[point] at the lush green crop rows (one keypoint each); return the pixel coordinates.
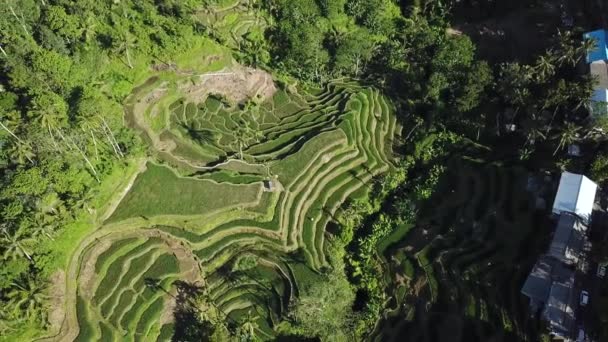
(125, 303)
(318, 149)
(481, 228)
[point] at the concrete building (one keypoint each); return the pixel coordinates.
(599, 102)
(551, 283)
(597, 57)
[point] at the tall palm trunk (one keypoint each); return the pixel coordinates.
(11, 133)
(111, 137)
(20, 20)
(128, 57)
(52, 136)
(18, 140)
(82, 154)
(94, 144)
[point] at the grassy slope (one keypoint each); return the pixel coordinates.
(159, 191)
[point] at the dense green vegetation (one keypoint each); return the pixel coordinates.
(365, 182)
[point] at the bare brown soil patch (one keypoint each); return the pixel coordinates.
(57, 300)
(237, 84)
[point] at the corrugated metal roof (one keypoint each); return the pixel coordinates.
(560, 307)
(575, 194)
(538, 283)
(569, 235)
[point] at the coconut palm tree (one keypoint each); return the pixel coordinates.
(13, 243)
(27, 297)
(567, 52)
(8, 321)
(49, 204)
(89, 29)
(49, 110)
(122, 44)
(247, 330)
(21, 152)
(583, 49)
(42, 226)
(525, 153)
(10, 132)
(544, 67)
(568, 135)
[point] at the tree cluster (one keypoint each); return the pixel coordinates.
(66, 67)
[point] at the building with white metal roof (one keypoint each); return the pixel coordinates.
(576, 195)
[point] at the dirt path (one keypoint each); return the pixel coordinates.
(57, 297)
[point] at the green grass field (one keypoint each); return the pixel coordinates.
(159, 191)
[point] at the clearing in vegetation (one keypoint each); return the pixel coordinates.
(249, 170)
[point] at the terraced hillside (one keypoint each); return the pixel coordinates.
(236, 204)
(459, 272)
(124, 287)
(233, 20)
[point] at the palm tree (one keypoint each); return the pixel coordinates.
(110, 136)
(247, 329)
(13, 243)
(21, 152)
(568, 136)
(50, 111)
(525, 153)
(544, 67)
(122, 45)
(8, 321)
(533, 129)
(583, 49)
(70, 143)
(10, 132)
(242, 137)
(202, 136)
(42, 225)
(89, 29)
(567, 52)
(28, 298)
(90, 126)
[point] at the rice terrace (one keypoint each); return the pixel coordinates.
(258, 171)
(310, 170)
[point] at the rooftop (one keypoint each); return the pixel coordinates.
(560, 308)
(576, 195)
(538, 283)
(568, 240)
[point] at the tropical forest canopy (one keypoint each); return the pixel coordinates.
(372, 152)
